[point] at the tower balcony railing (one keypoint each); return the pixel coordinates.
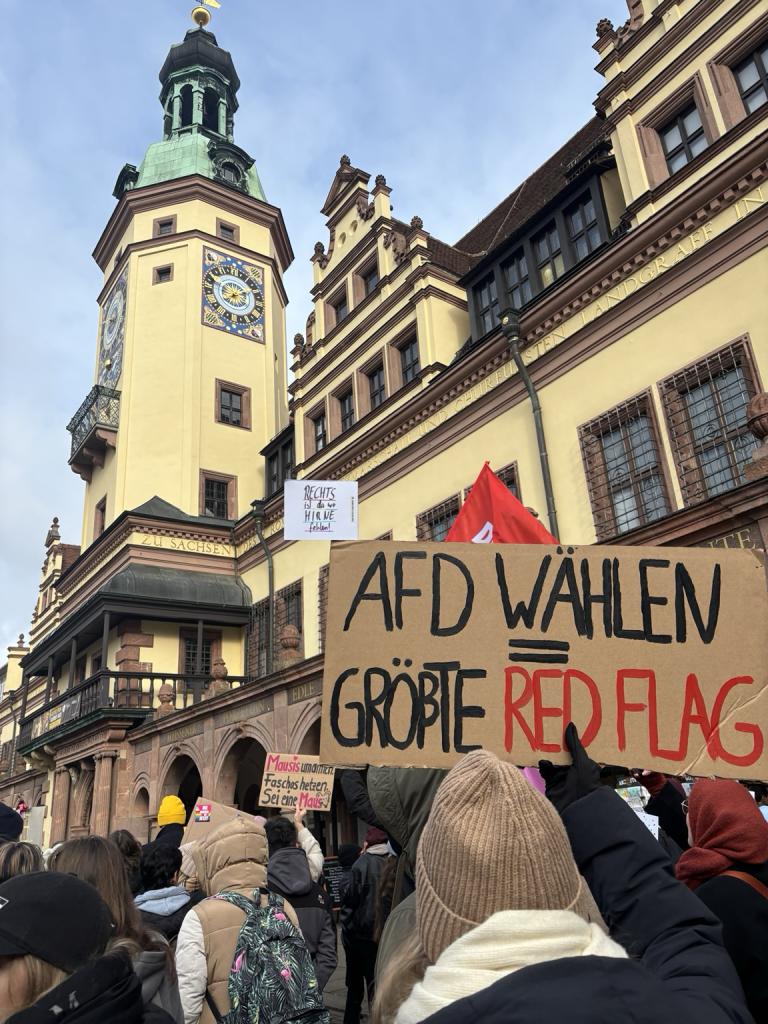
(94, 430)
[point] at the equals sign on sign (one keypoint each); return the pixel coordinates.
(555, 652)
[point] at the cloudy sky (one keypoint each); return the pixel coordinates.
(455, 103)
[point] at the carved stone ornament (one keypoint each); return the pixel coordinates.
(417, 223)
(345, 161)
(603, 26)
(319, 248)
(290, 641)
(167, 699)
(219, 683)
(757, 422)
(397, 241)
(53, 533)
(74, 774)
(381, 181)
(298, 342)
(364, 210)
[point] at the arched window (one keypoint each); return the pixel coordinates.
(186, 105)
(230, 173)
(211, 110)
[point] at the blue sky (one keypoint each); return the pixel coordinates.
(455, 103)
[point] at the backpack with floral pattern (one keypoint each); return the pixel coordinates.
(272, 980)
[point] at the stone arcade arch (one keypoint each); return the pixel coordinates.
(183, 779)
(238, 779)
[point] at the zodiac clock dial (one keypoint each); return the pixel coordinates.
(112, 333)
(233, 295)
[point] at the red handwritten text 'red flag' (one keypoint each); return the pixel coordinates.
(493, 515)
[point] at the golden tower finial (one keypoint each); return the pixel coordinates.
(200, 16)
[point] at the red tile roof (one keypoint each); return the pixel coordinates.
(69, 552)
(539, 189)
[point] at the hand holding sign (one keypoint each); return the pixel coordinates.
(565, 784)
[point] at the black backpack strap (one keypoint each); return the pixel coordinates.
(212, 1007)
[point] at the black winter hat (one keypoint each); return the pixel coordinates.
(56, 917)
(11, 823)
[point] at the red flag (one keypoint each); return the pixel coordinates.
(492, 514)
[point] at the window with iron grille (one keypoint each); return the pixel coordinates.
(230, 408)
(320, 432)
(487, 304)
(371, 280)
(216, 498)
(409, 360)
(376, 386)
(623, 463)
(322, 602)
(190, 657)
(752, 78)
(435, 523)
(518, 282)
(705, 407)
(683, 138)
(583, 227)
(288, 611)
(507, 475)
(549, 256)
(347, 410)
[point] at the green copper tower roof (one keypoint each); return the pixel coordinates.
(199, 98)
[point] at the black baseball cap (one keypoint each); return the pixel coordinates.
(56, 917)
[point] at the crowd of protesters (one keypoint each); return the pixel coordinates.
(474, 898)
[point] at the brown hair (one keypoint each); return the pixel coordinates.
(404, 969)
(129, 847)
(98, 861)
(19, 859)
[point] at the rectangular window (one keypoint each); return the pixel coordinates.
(752, 78)
(230, 409)
(229, 232)
(288, 612)
(435, 523)
(215, 498)
(409, 360)
(487, 304)
(164, 226)
(706, 406)
(190, 656)
(549, 257)
(683, 138)
(233, 404)
(622, 459)
(376, 387)
(508, 476)
(583, 227)
(273, 474)
(347, 410)
(320, 432)
(100, 519)
(340, 309)
(162, 275)
(371, 280)
(518, 283)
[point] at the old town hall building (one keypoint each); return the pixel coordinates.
(601, 337)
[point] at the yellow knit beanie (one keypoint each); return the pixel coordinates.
(171, 812)
(492, 842)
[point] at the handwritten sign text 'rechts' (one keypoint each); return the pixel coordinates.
(659, 655)
(296, 780)
(320, 510)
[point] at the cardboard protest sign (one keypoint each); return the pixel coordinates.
(320, 510)
(206, 817)
(296, 780)
(658, 655)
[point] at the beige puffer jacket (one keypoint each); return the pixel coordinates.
(234, 857)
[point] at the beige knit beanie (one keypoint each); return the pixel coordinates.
(492, 843)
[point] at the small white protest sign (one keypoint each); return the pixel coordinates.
(650, 821)
(320, 510)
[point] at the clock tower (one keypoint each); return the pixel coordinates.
(190, 378)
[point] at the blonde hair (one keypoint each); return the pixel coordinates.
(404, 969)
(19, 859)
(31, 979)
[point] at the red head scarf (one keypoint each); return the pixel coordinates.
(726, 827)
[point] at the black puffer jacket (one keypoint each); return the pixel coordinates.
(744, 913)
(681, 974)
(288, 875)
(105, 991)
(358, 905)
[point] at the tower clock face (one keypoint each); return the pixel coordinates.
(233, 295)
(113, 333)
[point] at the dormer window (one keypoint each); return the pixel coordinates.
(230, 173)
